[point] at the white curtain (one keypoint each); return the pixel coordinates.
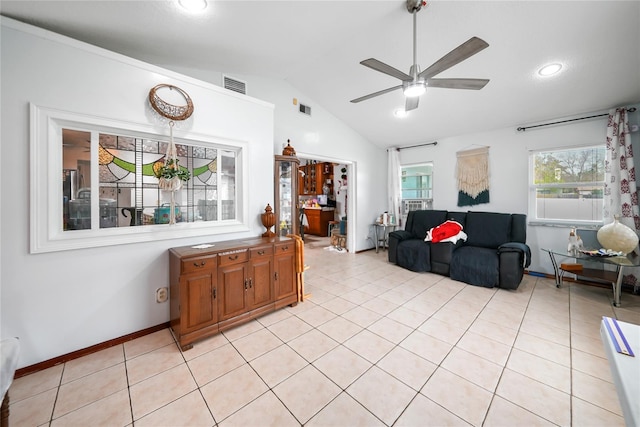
(393, 184)
(620, 192)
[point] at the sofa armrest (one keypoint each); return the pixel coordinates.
(517, 247)
(401, 235)
(395, 237)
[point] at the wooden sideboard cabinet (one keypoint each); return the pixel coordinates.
(229, 283)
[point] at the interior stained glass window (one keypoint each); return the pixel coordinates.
(128, 194)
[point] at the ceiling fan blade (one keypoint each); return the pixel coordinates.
(457, 55)
(474, 84)
(386, 69)
(411, 103)
(372, 95)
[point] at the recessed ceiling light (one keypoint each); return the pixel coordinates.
(400, 112)
(550, 69)
(193, 5)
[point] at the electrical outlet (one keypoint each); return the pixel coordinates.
(162, 294)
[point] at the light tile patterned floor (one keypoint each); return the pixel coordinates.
(374, 345)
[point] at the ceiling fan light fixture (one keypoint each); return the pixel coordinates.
(414, 89)
(550, 69)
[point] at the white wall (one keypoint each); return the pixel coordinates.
(323, 136)
(65, 301)
(509, 168)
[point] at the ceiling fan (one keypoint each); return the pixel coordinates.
(416, 82)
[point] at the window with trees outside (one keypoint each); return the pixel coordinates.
(567, 185)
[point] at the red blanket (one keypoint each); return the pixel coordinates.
(450, 231)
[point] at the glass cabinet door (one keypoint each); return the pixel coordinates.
(286, 195)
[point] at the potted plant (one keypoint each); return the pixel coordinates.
(172, 175)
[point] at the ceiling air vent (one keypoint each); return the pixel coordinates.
(235, 85)
(305, 109)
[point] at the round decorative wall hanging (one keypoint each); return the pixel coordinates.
(171, 175)
(170, 111)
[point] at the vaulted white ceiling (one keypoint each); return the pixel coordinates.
(316, 46)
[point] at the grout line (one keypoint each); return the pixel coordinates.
(198, 387)
(511, 347)
(570, 357)
(55, 401)
(126, 373)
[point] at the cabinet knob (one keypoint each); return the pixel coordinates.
(285, 248)
(276, 275)
(201, 264)
(215, 293)
(260, 252)
(234, 257)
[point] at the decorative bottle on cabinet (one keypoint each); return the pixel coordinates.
(286, 195)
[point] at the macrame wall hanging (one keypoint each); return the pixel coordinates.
(472, 173)
(170, 174)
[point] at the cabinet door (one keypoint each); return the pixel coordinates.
(233, 285)
(198, 302)
(260, 283)
(310, 179)
(319, 178)
(285, 276)
(313, 216)
(286, 195)
(302, 188)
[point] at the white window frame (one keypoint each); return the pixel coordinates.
(411, 203)
(46, 223)
(532, 210)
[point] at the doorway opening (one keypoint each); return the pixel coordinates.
(329, 208)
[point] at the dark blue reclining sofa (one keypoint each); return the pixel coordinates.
(495, 253)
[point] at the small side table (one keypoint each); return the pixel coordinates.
(382, 238)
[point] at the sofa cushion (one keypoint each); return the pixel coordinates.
(487, 229)
(424, 220)
(476, 266)
(441, 252)
(460, 217)
(414, 255)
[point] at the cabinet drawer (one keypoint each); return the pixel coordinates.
(261, 252)
(233, 257)
(196, 264)
(285, 248)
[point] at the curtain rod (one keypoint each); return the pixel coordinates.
(418, 145)
(522, 129)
